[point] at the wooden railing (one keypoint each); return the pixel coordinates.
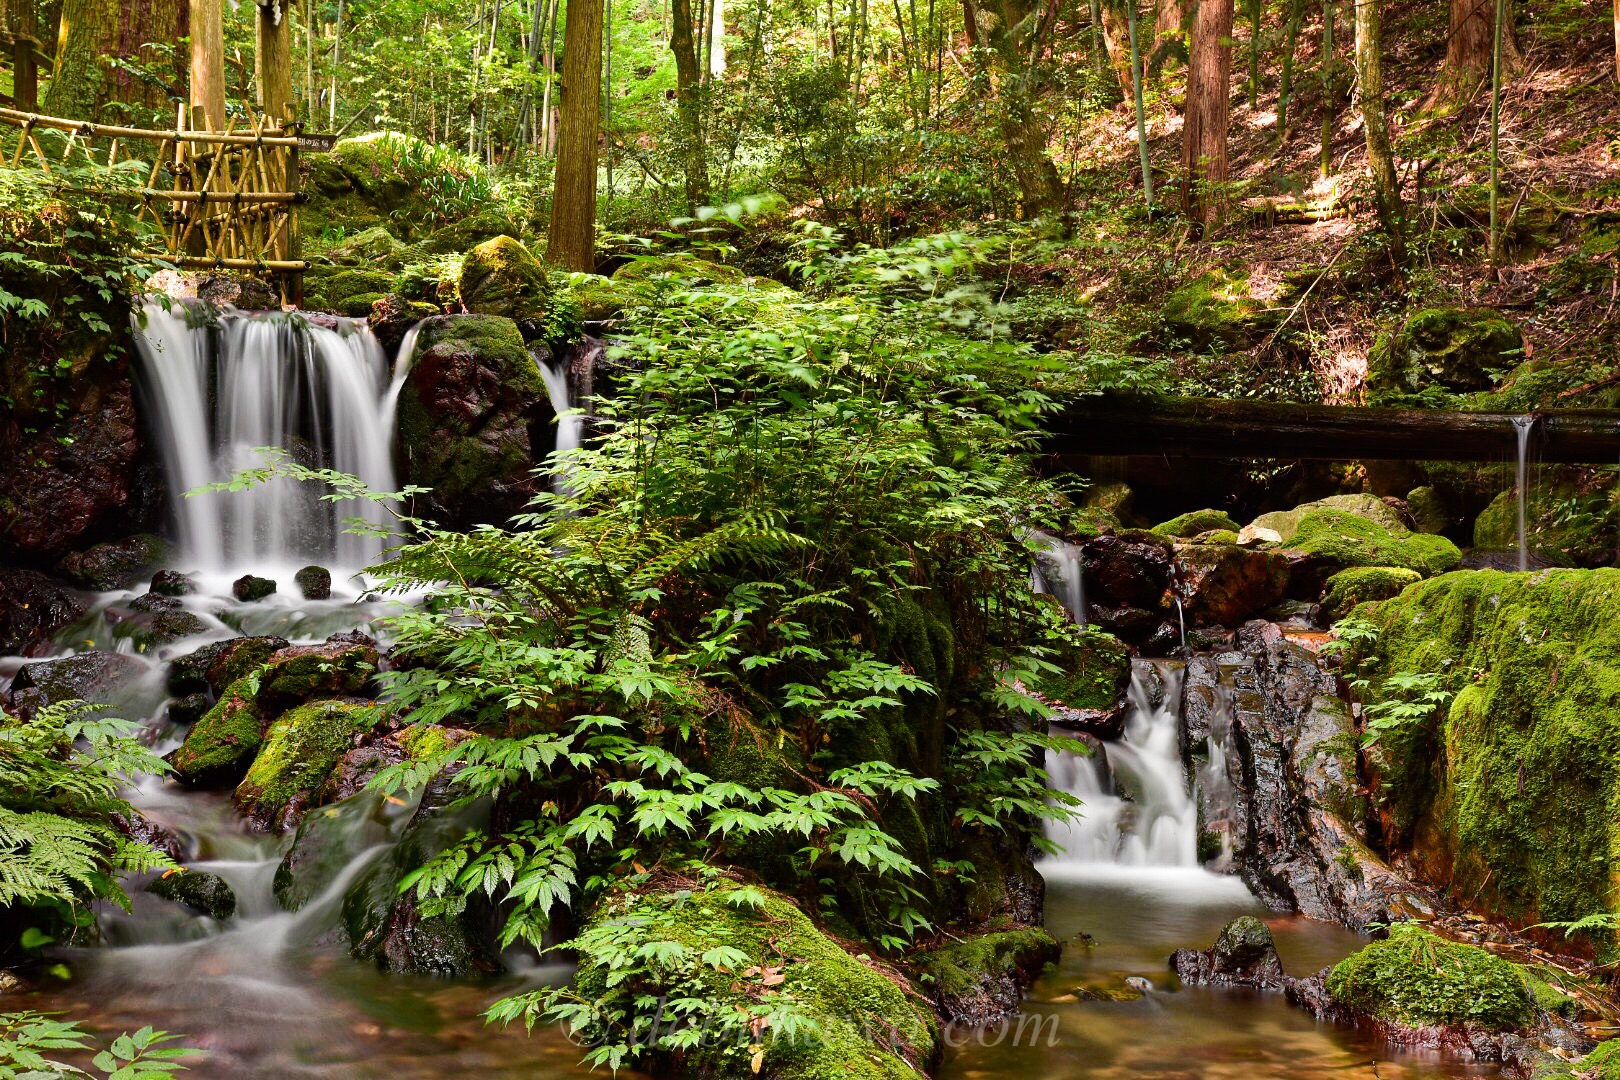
(224, 200)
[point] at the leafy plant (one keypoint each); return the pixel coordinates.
(1408, 703)
(32, 1043)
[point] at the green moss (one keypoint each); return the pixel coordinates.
(1359, 584)
(1515, 800)
(1095, 670)
(961, 968)
(1602, 1063)
(299, 752)
(1417, 978)
(866, 1025)
(681, 265)
(501, 277)
(337, 290)
(220, 745)
(1345, 540)
(1460, 350)
(1216, 536)
(600, 298)
(305, 671)
(1546, 997)
(1199, 521)
(1285, 523)
(1217, 308)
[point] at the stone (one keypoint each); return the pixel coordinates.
(1330, 540)
(681, 265)
(1114, 500)
(1219, 308)
(1243, 955)
(601, 299)
(249, 588)
(1128, 569)
(205, 893)
(119, 564)
(375, 246)
(189, 708)
(1432, 511)
(151, 621)
(1361, 584)
(1224, 584)
(327, 841)
(393, 316)
(1194, 524)
(299, 673)
(298, 753)
(501, 277)
(214, 667)
(33, 607)
(219, 748)
(153, 834)
(315, 582)
(1455, 349)
(87, 676)
(981, 980)
(1285, 523)
(172, 583)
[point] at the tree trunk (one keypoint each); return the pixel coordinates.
(1380, 156)
(1254, 54)
(717, 39)
(1285, 90)
(1039, 186)
(1467, 66)
(1329, 97)
(573, 202)
(1209, 81)
(1117, 36)
(21, 21)
(92, 31)
(208, 64)
(1169, 24)
(272, 60)
(1141, 111)
(689, 103)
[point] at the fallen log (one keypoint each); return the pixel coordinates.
(1127, 425)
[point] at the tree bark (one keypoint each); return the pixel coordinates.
(573, 202)
(1015, 37)
(272, 60)
(717, 39)
(689, 102)
(1467, 66)
(93, 31)
(1329, 96)
(21, 21)
(1285, 89)
(1117, 36)
(1169, 25)
(1375, 124)
(1209, 80)
(208, 65)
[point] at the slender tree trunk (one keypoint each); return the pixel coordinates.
(22, 23)
(607, 93)
(573, 203)
(1040, 188)
(548, 136)
(1285, 90)
(96, 31)
(311, 93)
(1141, 111)
(1499, 33)
(1209, 83)
(337, 63)
(1380, 155)
(272, 60)
(208, 64)
(1329, 91)
(1254, 53)
(1117, 36)
(689, 103)
(717, 39)
(1169, 22)
(1469, 48)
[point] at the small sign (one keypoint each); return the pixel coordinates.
(317, 144)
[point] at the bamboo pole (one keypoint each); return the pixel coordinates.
(107, 131)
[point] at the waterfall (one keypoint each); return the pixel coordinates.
(319, 393)
(1059, 571)
(1157, 824)
(570, 423)
(1523, 426)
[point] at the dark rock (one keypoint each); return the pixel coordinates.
(150, 621)
(393, 316)
(205, 893)
(120, 564)
(173, 583)
(299, 673)
(144, 830)
(190, 708)
(87, 676)
(248, 588)
(220, 747)
(218, 288)
(326, 843)
(1244, 955)
(1506, 559)
(214, 667)
(1128, 570)
(1224, 584)
(33, 607)
(981, 980)
(1131, 624)
(1165, 640)
(315, 582)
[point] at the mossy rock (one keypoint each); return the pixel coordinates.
(120, 564)
(1509, 798)
(220, 747)
(1602, 1063)
(1285, 523)
(1569, 519)
(1419, 979)
(1094, 672)
(1216, 536)
(1113, 500)
(1337, 539)
(207, 894)
(345, 291)
(864, 1025)
(1432, 510)
(298, 753)
(301, 672)
(1455, 349)
(501, 277)
(468, 233)
(680, 265)
(600, 298)
(1217, 309)
(328, 840)
(373, 246)
(980, 980)
(1360, 584)
(1187, 526)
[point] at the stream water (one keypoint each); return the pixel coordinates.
(271, 994)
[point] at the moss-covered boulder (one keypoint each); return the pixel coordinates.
(298, 673)
(1602, 1063)
(1089, 686)
(501, 277)
(981, 980)
(863, 1023)
(1330, 540)
(220, 747)
(1507, 798)
(1433, 510)
(214, 667)
(381, 178)
(474, 419)
(1456, 349)
(205, 893)
(681, 265)
(375, 246)
(1285, 523)
(601, 298)
(1216, 309)
(119, 564)
(1359, 584)
(345, 290)
(297, 754)
(1419, 979)
(1187, 526)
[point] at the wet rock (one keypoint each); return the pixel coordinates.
(1130, 624)
(220, 747)
(214, 667)
(1244, 955)
(1507, 559)
(219, 288)
(1139, 984)
(314, 582)
(88, 676)
(357, 766)
(298, 673)
(981, 980)
(144, 830)
(189, 708)
(1129, 569)
(298, 752)
(1224, 584)
(120, 564)
(501, 277)
(150, 621)
(476, 417)
(248, 588)
(1196, 523)
(173, 583)
(1361, 584)
(205, 893)
(327, 842)
(1285, 523)
(393, 316)
(33, 607)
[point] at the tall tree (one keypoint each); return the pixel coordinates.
(1117, 36)
(94, 32)
(1285, 89)
(689, 102)
(1141, 112)
(1329, 89)
(1375, 124)
(272, 59)
(1169, 27)
(1209, 79)
(208, 64)
(1017, 34)
(1469, 45)
(20, 19)
(573, 201)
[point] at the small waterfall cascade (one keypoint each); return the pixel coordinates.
(1138, 810)
(1523, 426)
(222, 388)
(570, 421)
(1059, 572)
(1216, 790)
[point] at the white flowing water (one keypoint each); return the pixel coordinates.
(570, 420)
(1059, 571)
(1523, 426)
(219, 397)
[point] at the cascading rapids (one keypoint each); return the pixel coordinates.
(221, 388)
